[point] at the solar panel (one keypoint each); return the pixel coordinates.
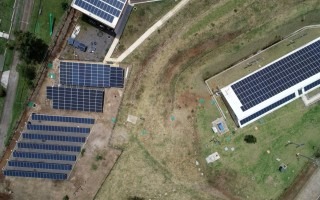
(53, 137)
(268, 108)
(312, 85)
(53, 118)
(55, 176)
(50, 147)
(91, 75)
(58, 128)
(106, 9)
(278, 76)
(39, 165)
(44, 156)
(76, 99)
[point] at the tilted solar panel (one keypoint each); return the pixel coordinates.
(91, 75)
(39, 165)
(58, 128)
(278, 76)
(53, 118)
(55, 176)
(44, 156)
(76, 99)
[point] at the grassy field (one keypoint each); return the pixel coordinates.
(165, 89)
(40, 22)
(22, 94)
(5, 14)
(142, 17)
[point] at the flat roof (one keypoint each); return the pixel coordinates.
(107, 12)
(275, 81)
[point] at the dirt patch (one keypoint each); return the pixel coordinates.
(187, 100)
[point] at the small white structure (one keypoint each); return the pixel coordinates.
(75, 32)
(5, 79)
(132, 119)
(4, 35)
(213, 157)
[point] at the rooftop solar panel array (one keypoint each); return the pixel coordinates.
(278, 76)
(91, 75)
(76, 99)
(46, 151)
(106, 9)
(55, 118)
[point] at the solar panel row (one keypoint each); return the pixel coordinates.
(55, 176)
(53, 137)
(39, 165)
(278, 76)
(51, 118)
(91, 75)
(115, 3)
(268, 108)
(76, 99)
(50, 147)
(94, 10)
(312, 85)
(58, 128)
(44, 156)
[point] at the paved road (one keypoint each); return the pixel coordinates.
(14, 76)
(147, 34)
(311, 191)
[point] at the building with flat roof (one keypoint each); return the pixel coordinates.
(274, 85)
(107, 12)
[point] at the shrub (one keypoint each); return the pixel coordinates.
(250, 139)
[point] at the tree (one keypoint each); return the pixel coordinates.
(250, 139)
(31, 48)
(135, 198)
(27, 71)
(66, 197)
(2, 91)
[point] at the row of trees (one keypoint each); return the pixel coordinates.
(32, 52)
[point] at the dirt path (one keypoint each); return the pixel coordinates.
(147, 34)
(13, 78)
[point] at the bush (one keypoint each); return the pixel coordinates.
(99, 157)
(250, 139)
(135, 198)
(2, 91)
(66, 197)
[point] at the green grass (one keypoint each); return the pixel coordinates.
(254, 167)
(2, 99)
(212, 16)
(39, 24)
(8, 60)
(2, 45)
(22, 94)
(5, 14)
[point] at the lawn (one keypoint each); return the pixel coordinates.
(20, 103)
(142, 17)
(251, 164)
(5, 14)
(40, 17)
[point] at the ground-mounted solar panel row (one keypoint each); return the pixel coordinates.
(58, 128)
(33, 174)
(26, 164)
(53, 137)
(278, 76)
(44, 156)
(49, 151)
(91, 75)
(76, 99)
(40, 117)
